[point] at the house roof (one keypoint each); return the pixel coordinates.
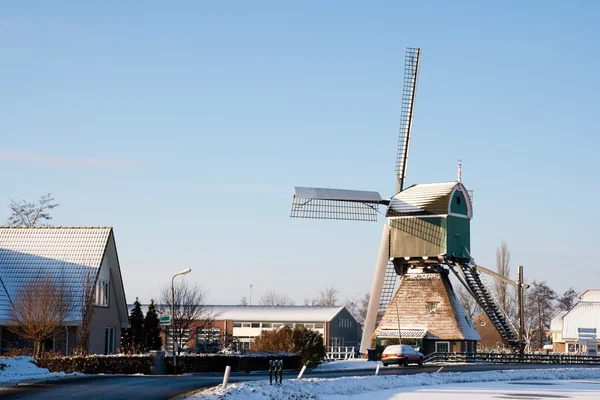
(556, 323)
(268, 313)
(590, 295)
(585, 314)
(426, 199)
(35, 253)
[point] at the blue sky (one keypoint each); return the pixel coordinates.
(185, 126)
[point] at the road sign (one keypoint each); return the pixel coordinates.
(165, 320)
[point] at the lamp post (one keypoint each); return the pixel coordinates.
(184, 272)
(251, 294)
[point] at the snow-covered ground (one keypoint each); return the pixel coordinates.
(424, 386)
(23, 368)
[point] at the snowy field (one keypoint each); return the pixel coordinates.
(550, 383)
(18, 369)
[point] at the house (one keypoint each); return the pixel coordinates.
(565, 326)
(338, 327)
(72, 256)
(490, 337)
(428, 314)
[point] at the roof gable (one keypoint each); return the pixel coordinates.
(66, 253)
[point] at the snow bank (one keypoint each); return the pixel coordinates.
(22, 368)
(319, 387)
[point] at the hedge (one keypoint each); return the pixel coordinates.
(98, 364)
(238, 363)
(142, 363)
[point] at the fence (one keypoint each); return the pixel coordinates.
(511, 358)
(340, 352)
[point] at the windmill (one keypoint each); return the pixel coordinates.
(428, 227)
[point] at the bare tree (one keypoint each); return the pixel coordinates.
(86, 309)
(357, 306)
(539, 309)
(26, 213)
(191, 311)
(243, 301)
(39, 310)
(503, 268)
(327, 297)
(272, 298)
(468, 302)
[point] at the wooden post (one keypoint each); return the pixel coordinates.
(521, 318)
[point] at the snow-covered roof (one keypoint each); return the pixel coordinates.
(36, 253)
(427, 199)
(590, 295)
(410, 307)
(268, 313)
(585, 314)
(556, 323)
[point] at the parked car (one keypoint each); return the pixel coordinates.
(401, 355)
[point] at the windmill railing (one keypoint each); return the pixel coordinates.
(510, 358)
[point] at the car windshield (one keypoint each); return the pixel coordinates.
(392, 349)
(407, 349)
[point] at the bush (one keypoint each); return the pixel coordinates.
(309, 345)
(304, 342)
(98, 364)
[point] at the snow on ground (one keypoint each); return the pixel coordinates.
(378, 387)
(22, 368)
(575, 390)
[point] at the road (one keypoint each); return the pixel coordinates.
(165, 387)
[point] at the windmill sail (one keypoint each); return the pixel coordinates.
(320, 203)
(411, 68)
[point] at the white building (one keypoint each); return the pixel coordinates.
(565, 325)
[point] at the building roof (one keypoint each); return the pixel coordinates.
(556, 323)
(36, 253)
(268, 313)
(585, 314)
(427, 199)
(590, 295)
(410, 308)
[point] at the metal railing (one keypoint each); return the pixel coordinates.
(340, 352)
(510, 358)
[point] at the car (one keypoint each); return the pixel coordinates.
(401, 354)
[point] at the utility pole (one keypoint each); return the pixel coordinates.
(521, 312)
(398, 319)
(251, 295)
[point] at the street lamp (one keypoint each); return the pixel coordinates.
(184, 272)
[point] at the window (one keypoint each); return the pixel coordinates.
(237, 324)
(318, 326)
(109, 341)
(208, 340)
(246, 325)
(299, 325)
(276, 325)
(432, 306)
(309, 326)
(291, 326)
(458, 200)
(102, 294)
(265, 325)
(255, 325)
(442, 347)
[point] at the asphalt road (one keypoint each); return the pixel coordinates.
(165, 387)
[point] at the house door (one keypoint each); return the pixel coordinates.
(442, 347)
